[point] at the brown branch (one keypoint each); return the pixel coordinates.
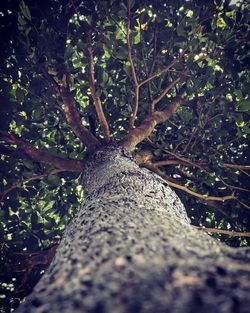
(237, 166)
(146, 69)
(165, 91)
(134, 77)
(25, 150)
(138, 134)
(151, 106)
(243, 204)
(71, 112)
(73, 117)
(201, 166)
(162, 71)
(20, 183)
(185, 189)
(154, 52)
(169, 162)
(230, 233)
(96, 99)
(185, 161)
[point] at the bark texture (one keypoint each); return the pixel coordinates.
(131, 249)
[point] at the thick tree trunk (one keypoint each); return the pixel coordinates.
(131, 249)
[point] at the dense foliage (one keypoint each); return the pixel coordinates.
(205, 143)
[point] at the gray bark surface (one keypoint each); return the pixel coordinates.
(131, 249)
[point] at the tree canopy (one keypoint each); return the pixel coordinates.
(167, 79)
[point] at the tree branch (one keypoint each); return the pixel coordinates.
(25, 150)
(162, 71)
(71, 112)
(165, 91)
(203, 166)
(151, 106)
(237, 166)
(184, 188)
(73, 117)
(154, 53)
(230, 233)
(96, 99)
(138, 134)
(169, 162)
(186, 162)
(134, 77)
(19, 183)
(146, 69)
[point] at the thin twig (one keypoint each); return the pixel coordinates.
(230, 233)
(184, 188)
(237, 166)
(134, 77)
(203, 166)
(96, 99)
(20, 183)
(151, 106)
(164, 70)
(165, 91)
(243, 204)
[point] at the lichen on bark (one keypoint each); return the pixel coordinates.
(131, 248)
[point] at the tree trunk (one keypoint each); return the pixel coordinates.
(131, 249)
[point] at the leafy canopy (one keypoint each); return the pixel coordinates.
(203, 146)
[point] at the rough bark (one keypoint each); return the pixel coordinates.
(131, 249)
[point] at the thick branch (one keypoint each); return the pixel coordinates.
(134, 77)
(71, 112)
(25, 150)
(138, 134)
(96, 99)
(73, 119)
(230, 233)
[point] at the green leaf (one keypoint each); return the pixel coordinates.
(28, 164)
(105, 77)
(238, 94)
(69, 52)
(20, 94)
(244, 105)
(54, 179)
(137, 38)
(37, 114)
(25, 10)
(21, 20)
(34, 218)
